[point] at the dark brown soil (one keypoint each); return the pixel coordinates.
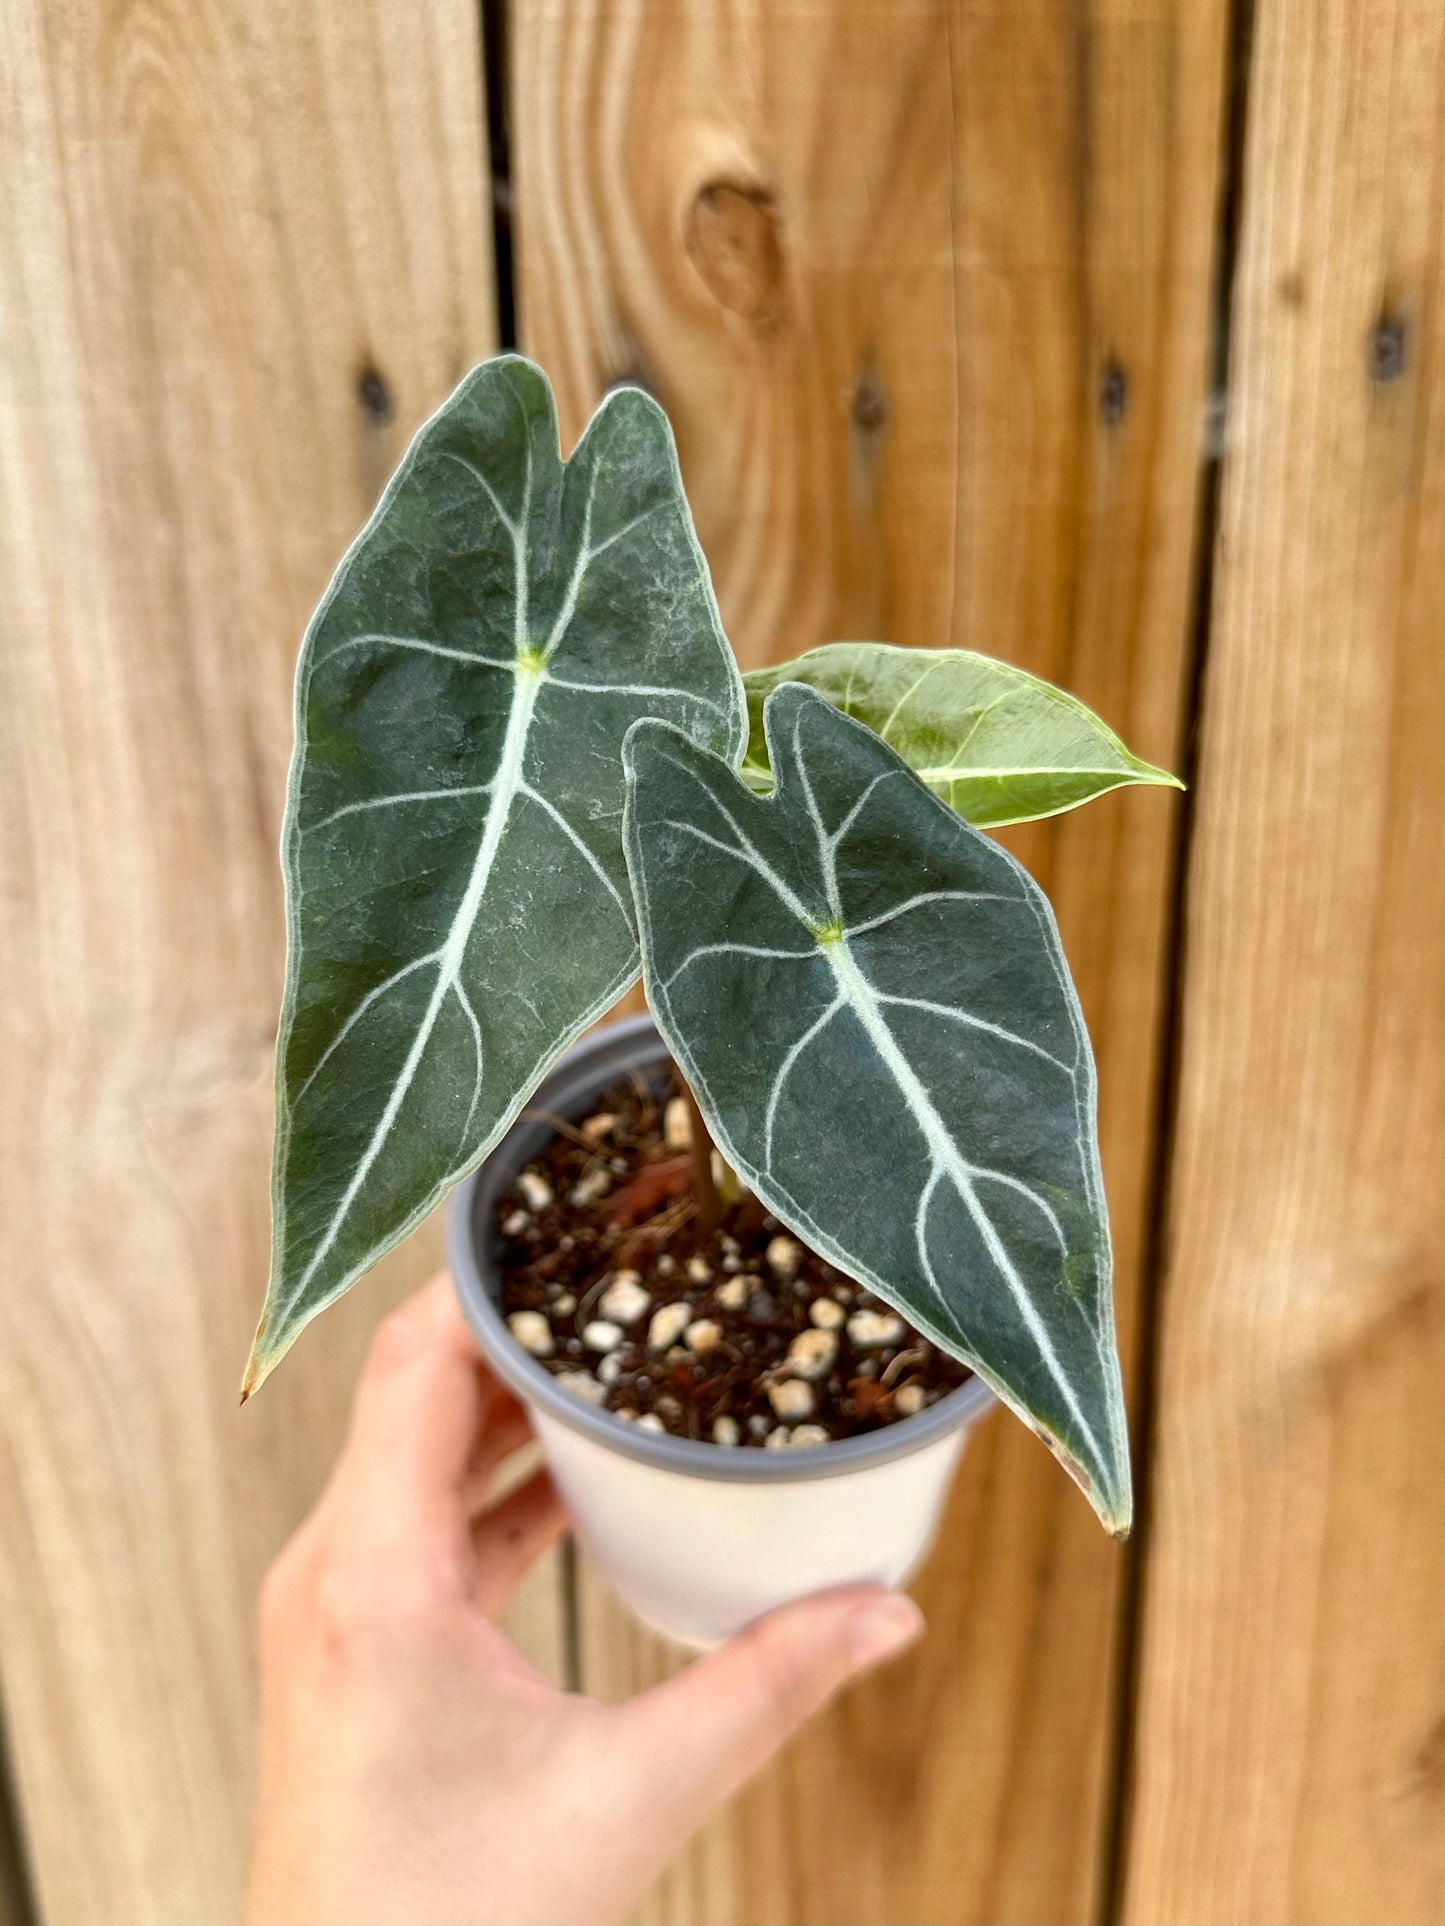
(777, 1347)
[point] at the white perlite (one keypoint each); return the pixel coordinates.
(872, 1330)
(649, 1421)
(515, 1222)
(535, 1189)
(791, 1398)
(624, 1300)
(667, 1326)
(811, 1353)
(777, 1440)
(610, 1369)
(532, 1332)
(725, 1431)
(564, 1305)
(734, 1294)
(601, 1334)
(783, 1257)
(699, 1271)
(582, 1385)
(909, 1400)
(804, 1435)
(677, 1125)
(593, 1186)
(827, 1314)
(704, 1334)
(602, 1125)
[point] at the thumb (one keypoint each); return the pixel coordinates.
(713, 1725)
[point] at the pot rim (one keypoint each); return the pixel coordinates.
(581, 1076)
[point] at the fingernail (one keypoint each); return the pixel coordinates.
(883, 1628)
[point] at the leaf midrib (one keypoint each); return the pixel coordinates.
(945, 1159)
(506, 785)
(529, 670)
(858, 993)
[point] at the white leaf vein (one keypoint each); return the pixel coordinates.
(550, 808)
(472, 1018)
(955, 1013)
(786, 1070)
(388, 802)
(929, 896)
(738, 949)
(420, 646)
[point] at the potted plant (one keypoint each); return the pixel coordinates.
(855, 1191)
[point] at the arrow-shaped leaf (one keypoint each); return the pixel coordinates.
(457, 896)
(869, 999)
(997, 744)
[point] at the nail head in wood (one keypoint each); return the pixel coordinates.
(374, 394)
(1387, 348)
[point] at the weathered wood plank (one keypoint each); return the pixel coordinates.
(1287, 1757)
(243, 250)
(925, 292)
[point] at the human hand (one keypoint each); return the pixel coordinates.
(414, 1767)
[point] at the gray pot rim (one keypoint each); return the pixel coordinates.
(581, 1076)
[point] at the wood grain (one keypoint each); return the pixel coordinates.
(1287, 1759)
(243, 250)
(925, 291)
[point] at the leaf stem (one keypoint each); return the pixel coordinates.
(709, 1203)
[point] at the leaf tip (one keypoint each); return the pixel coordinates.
(1113, 1507)
(255, 1376)
(1160, 778)
(265, 1356)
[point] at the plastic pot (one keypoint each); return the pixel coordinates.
(697, 1538)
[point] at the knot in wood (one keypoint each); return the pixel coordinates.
(733, 238)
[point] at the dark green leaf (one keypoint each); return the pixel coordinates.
(869, 999)
(457, 897)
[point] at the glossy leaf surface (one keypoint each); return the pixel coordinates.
(998, 745)
(869, 999)
(458, 904)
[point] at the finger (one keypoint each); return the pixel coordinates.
(506, 1429)
(718, 1721)
(419, 1410)
(512, 1536)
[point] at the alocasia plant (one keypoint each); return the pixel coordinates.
(867, 994)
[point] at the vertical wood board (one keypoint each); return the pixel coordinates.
(243, 251)
(1287, 1755)
(925, 291)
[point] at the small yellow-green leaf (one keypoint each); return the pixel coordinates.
(998, 745)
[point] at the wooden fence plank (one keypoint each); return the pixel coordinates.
(1288, 1753)
(925, 291)
(243, 250)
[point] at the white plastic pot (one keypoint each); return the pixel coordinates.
(700, 1539)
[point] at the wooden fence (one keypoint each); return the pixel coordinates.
(1104, 336)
